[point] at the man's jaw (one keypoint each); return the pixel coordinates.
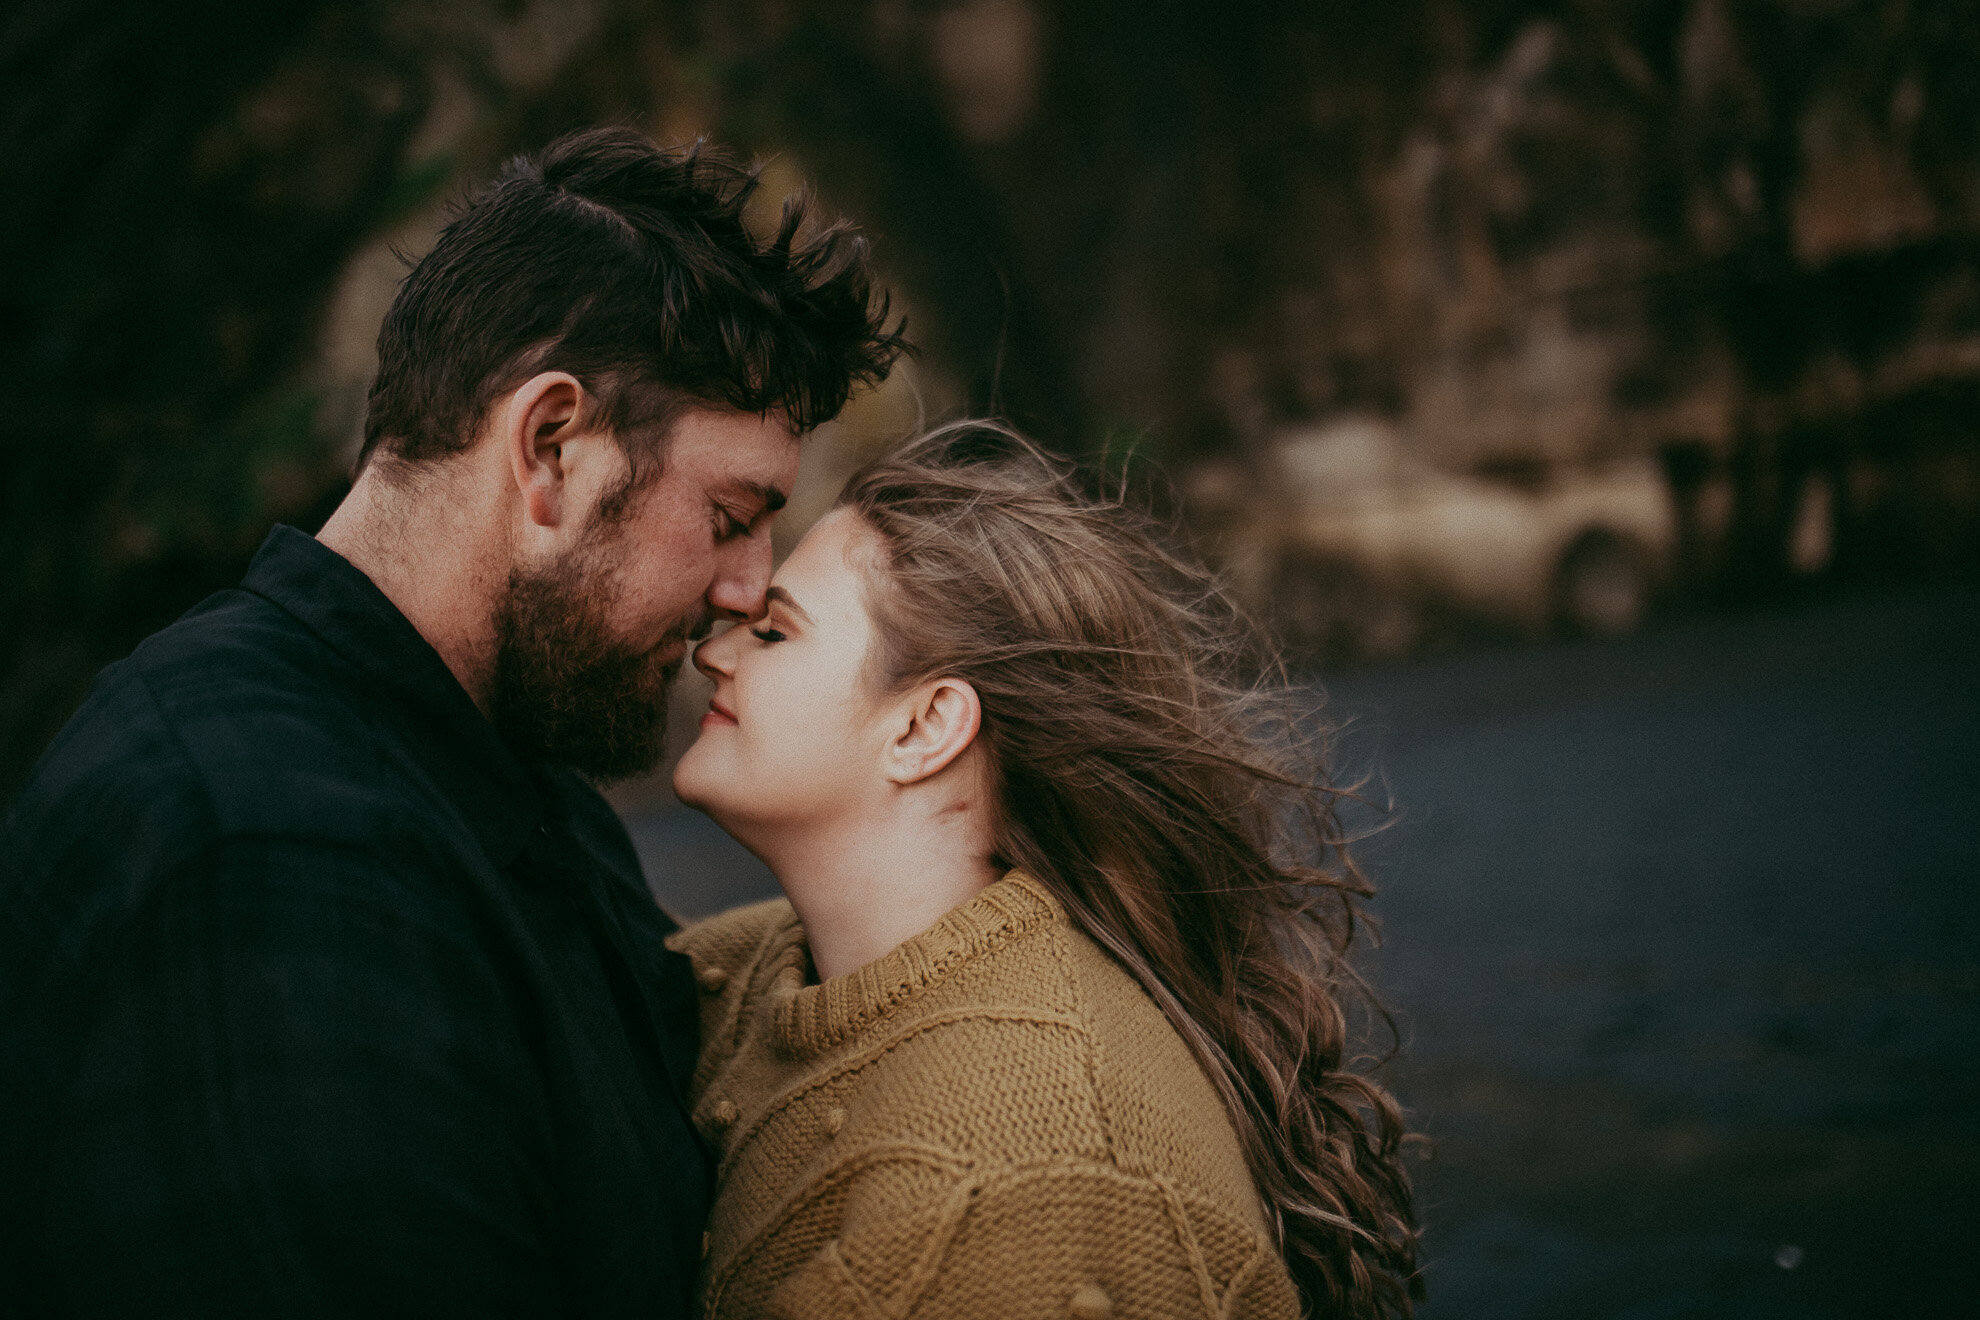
(686, 635)
(676, 644)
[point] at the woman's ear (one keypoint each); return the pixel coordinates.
(533, 424)
(943, 716)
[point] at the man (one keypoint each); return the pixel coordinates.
(327, 985)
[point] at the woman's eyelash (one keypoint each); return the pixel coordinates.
(766, 634)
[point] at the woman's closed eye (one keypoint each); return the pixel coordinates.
(766, 635)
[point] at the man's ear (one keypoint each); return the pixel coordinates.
(532, 425)
(943, 717)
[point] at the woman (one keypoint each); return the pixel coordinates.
(1051, 1023)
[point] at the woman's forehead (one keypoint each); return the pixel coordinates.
(826, 568)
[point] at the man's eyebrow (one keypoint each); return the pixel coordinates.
(772, 498)
(779, 594)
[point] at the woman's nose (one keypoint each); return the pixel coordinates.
(712, 657)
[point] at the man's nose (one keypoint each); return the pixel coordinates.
(741, 579)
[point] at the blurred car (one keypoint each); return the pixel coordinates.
(1369, 545)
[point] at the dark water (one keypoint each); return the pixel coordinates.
(1684, 932)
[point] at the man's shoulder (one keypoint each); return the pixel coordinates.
(235, 719)
(235, 738)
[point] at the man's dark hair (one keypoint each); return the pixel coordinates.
(630, 267)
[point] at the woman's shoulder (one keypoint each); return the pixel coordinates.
(1125, 1068)
(1165, 1118)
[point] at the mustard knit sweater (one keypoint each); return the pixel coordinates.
(991, 1121)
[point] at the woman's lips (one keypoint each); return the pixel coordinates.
(717, 714)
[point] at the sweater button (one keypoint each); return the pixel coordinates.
(1090, 1302)
(724, 1113)
(712, 978)
(835, 1118)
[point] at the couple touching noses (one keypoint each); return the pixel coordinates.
(330, 985)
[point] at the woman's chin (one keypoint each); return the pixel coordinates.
(703, 780)
(690, 779)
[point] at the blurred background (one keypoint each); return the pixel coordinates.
(1588, 391)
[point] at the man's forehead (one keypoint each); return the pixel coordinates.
(739, 453)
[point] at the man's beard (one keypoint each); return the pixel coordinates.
(565, 688)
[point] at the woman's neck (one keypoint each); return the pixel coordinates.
(867, 888)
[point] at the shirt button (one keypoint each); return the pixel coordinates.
(724, 1113)
(835, 1118)
(712, 978)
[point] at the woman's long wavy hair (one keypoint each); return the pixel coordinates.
(1161, 790)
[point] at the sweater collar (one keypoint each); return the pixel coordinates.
(811, 1019)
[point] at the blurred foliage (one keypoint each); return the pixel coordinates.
(1180, 223)
(186, 181)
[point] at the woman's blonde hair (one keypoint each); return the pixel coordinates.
(1170, 799)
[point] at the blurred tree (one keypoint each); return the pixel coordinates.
(185, 183)
(1818, 168)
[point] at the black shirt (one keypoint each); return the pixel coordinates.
(316, 1000)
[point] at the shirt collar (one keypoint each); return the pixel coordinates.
(444, 730)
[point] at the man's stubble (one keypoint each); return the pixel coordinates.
(566, 688)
